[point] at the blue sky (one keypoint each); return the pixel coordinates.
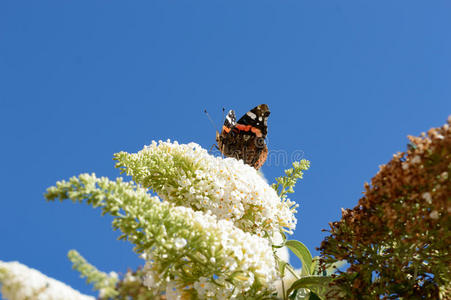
(346, 82)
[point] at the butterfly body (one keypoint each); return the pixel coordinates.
(245, 139)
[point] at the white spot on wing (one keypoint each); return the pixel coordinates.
(251, 115)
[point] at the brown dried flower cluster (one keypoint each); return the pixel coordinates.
(397, 240)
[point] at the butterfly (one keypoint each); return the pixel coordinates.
(245, 139)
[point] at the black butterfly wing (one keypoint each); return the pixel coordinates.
(230, 120)
(255, 121)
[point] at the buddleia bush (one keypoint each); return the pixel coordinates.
(397, 240)
(209, 227)
(205, 226)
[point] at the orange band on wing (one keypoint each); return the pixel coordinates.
(249, 128)
(226, 129)
(243, 127)
(257, 131)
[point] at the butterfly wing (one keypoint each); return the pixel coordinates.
(245, 139)
(254, 122)
(229, 122)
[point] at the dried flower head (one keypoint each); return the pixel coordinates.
(397, 239)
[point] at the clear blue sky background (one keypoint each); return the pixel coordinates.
(346, 82)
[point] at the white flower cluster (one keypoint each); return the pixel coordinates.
(187, 252)
(243, 259)
(22, 283)
(187, 175)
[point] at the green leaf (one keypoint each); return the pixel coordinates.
(293, 296)
(314, 296)
(282, 265)
(302, 252)
(314, 268)
(317, 284)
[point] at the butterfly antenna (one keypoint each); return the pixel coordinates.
(209, 118)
